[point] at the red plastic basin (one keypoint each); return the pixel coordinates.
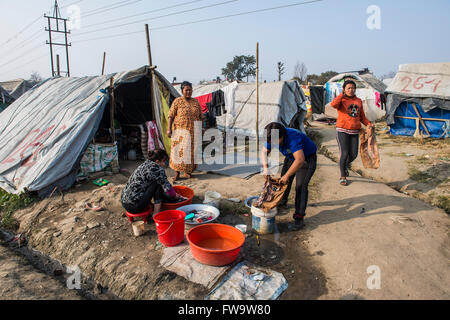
(215, 244)
(185, 192)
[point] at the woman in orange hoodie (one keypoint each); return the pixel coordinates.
(350, 116)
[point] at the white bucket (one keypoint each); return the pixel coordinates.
(138, 228)
(212, 198)
(263, 222)
(241, 227)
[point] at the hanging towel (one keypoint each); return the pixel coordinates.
(204, 100)
(229, 95)
(378, 99)
(154, 139)
(369, 149)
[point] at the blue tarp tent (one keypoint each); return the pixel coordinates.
(418, 101)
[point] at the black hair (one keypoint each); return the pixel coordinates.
(157, 155)
(275, 126)
(186, 84)
(347, 82)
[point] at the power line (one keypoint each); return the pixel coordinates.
(203, 20)
(109, 8)
(167, 15)
(143, 13)
(23, 55)
(237, 14)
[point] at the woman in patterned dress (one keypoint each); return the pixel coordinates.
(183, 115)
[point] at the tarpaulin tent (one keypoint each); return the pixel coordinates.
(282, 101)
(44, 133)
(5, 99)
(368, 88)
(17, 87)
(418, 100)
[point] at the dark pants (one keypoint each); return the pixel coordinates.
(154, 191)
(348, 145)
(302, 178)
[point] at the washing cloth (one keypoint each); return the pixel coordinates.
(370, 156)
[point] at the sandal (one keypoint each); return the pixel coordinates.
(343, 182)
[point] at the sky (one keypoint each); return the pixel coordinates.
(323, 34)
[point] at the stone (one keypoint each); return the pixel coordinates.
(93, 225)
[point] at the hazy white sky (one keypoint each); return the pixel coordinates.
(325, 35)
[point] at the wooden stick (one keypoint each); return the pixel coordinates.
(257, 96)
(426, 119)
(420, 119)
(104, 59)
(58, 70)
(149, 51)
(113, 132)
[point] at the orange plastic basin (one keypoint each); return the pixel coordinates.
(215, 244)
(185, 192)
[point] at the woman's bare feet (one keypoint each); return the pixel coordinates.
(186, 175)
(175, 177)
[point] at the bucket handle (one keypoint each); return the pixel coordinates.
(161, 234)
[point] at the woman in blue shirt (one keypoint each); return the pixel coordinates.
(300, 162)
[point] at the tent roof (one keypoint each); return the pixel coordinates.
(431, 80)
(366, 78)
(17, 87)
(44, 133)
(5, 97)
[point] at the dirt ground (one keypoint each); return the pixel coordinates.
(418, 167)
(348, 230)
(22, 281)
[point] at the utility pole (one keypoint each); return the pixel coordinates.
(57, 17)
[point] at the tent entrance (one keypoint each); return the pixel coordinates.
(132, 109)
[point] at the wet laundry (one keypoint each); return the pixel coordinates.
(271, 194)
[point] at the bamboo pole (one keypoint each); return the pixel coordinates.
(58, 70)
(103, 67)
(257, 97)
(149, 51)
(420, 119)
(415, 118)
(112, 105)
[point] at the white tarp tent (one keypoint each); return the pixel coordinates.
(282, 101)
(44, 133)
(418, 100)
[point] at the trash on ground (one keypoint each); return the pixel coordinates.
(179, 260)
(100, 182)
(249, 282)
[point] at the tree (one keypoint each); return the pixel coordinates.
(241, 66)
(280, 69)
(35, 77)
(300, 71)
(321, 79)
(389, 75)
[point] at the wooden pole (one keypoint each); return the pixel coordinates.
(152, 68)
(149, 51)
(420, 119)
(58, 70)
(112, 104)
(257, 97)
(104, 59)
(51, 44)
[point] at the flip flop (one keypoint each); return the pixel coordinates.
(343, 182)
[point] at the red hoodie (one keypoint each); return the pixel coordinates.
(350, 112)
